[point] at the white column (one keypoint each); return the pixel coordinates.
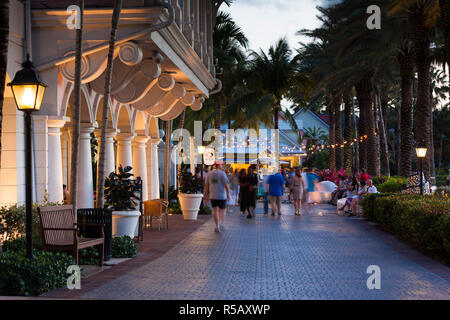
(154, 169)
(124, 154)
(140, 163)
(85, 181)
(55, 169)
(110, 163)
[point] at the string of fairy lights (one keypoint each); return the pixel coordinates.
(319, 148)
(249, 142)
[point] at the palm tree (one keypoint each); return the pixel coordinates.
(441, 119)
(331, 131)
(269, 81)
(317, 135)
(419, 12)
(406, 63)
(228, 41)
(4, 36)
(76, 112)
(109, 72)
(338, 130)
(445, 18)
(348, 106)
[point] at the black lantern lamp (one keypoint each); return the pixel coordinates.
(27, 88)
(28, 93)
(421, 153)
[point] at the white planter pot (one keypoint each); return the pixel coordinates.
(190, 204)
(124, 223)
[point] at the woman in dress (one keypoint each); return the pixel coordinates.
(351, 194)
(296, 188)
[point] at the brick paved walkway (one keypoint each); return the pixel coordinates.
(316, 256)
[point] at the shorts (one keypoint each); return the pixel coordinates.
(222, 204)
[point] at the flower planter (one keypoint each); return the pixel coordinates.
(190, 204)
(124, 223)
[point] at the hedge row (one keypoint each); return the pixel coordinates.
(423, 221)
(32, 277)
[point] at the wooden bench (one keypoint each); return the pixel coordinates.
(60, 232)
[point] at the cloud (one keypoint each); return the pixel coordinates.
(265, 21)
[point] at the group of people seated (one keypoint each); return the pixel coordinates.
(353, 190)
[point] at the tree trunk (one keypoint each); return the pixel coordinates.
(373, 150)
(445, 18)
(277, 137)
(104, 124)
(4, 41)
(398, 147)
(167, 160)
(383, 140)
(348, 101)
(180, 153)
(75, 121)
(432, 160)
(441, 144)
(338, 130)
(331, 132)
(422, 60)
(356, 136)
(370, 157)
(219, 112)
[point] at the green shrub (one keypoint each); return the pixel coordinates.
(12, 220)
(174, 207)
(392, 184)
(443, 191)
(20, 243)
(123, 247)
(88, 256)
(423, 221)
(27, 277)
(379, 180)
(441, 180)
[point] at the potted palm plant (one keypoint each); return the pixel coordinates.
(121, 196)
(190, 195)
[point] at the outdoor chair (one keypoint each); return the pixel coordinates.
(60, 232)
(155, 208)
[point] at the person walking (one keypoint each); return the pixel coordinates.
(243, 191)
(276, 183)
(312, 179)
(252, 189)
(265, 184)
(218, 191)
(296, 189)
(234, 190)
(290, 176)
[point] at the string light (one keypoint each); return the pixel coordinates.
(315, 149)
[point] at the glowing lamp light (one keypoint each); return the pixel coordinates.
(201, 149)
(421, 149)
(27, 89)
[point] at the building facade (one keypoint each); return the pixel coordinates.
(157, 74)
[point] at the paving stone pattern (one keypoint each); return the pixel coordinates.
(316, 256)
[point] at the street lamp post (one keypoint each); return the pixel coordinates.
(201, 150)
(28, 92)
(421, 152)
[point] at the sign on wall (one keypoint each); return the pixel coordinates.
(209, 157)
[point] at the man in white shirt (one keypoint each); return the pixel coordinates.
(370, 187)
